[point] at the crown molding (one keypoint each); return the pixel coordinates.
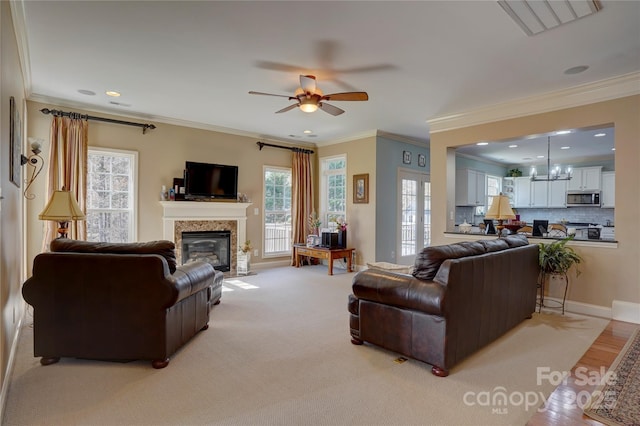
(599, 91)
(20, 30)
(160, 119)
(400, 138)
(358, 136)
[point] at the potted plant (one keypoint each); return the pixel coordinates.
(555, 260)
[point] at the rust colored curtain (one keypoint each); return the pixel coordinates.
(68, 153)
(302, 196)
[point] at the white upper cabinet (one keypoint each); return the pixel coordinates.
(470, 188)
(585, 179)
(558, 193)
(608, 190)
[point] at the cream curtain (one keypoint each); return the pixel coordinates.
(67, 168)
(302, 196)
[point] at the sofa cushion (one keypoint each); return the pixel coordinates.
(163, 248)
(428, 261)
(516, 240)
(494, 245)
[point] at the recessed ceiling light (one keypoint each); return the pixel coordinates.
(119, 104)
(306, 132)
(563, 132)
(513, 146)
(112, 93)
(613, 149)
(87, 92)
(599, 135)
(565, 147)
(576, 70)
(482, 143)
(540, 156)
(526, 159)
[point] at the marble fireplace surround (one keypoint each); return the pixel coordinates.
(182, 216)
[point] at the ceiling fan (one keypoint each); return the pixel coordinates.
(309, 97)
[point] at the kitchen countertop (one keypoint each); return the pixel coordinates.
(576, 239)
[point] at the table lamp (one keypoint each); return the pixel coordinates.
(500, 209)
(62, 207)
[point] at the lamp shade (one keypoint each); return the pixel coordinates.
(500, 208)
(62, 207)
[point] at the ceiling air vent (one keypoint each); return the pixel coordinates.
(536, 16)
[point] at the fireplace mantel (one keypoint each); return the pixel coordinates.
(173, 211)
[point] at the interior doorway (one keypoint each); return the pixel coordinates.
(414, 214)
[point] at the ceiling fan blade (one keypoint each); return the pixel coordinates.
(270, 94)
(308, 83)
(347, 96)
(289, 108)
(330, 109)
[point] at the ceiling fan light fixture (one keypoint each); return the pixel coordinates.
(308, 106)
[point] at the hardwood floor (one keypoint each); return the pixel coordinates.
(562, 405)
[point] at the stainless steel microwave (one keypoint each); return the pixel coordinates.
(583, 199)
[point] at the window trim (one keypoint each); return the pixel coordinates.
(134, 182)
(289, 251)
(324, 202)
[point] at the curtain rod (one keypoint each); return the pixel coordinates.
(305, 151)
(58, 113)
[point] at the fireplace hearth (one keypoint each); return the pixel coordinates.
(213, 247)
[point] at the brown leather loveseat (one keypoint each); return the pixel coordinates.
(117, 301)
(460, 298)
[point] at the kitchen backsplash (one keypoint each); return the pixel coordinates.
(571, 214)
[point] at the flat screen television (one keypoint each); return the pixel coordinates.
(210, 181)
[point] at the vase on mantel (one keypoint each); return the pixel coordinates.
(342, 238)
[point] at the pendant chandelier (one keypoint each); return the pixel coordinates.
(552, 174)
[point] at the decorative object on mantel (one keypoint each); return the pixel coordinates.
(36, 162)
(62, 207)
(500, 209)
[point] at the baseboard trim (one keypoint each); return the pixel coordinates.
(581, 308)
(6, 381)
(626, 311)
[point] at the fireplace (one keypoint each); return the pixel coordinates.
(213, 247)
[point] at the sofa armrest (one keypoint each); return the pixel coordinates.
(399, 290)
(192, 277)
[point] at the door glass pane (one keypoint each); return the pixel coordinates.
(427, 214)
(409, 217)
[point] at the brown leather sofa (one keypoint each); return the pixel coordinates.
(117, 301)
(460, 298)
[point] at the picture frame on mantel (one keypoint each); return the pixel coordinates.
(361, 188)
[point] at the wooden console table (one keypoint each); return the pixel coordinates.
(322, 253)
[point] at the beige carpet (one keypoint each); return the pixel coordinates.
(278, 352)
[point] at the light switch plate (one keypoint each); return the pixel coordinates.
(256, 211)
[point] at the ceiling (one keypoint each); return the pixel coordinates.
(193, 63)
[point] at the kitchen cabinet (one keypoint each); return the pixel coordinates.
(608, 199)
(558, 193)
(608, 233)
(508, 189)
(530, 193)
(471, 188)
(585, 178)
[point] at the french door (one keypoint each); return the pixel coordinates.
(414, 215)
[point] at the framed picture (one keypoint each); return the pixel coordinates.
(406, 157)
(422, 160)
(361, 188)
(15, 143)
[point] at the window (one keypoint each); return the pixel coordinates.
(494, 186)
(333, 190)
(111, 198)
(277, 211)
